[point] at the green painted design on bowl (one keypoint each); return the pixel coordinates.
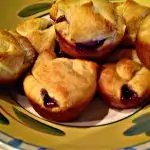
(34, 9)
(142, 125)
(3, 119)
(36, 125)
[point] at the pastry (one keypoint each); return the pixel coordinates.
(143, 42)
(133, 13)
(58, 9)
(56, 87)
(40, 32)
(125, 84)
(15, 57)
(91, 29)
(29, 52)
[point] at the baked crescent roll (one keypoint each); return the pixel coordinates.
(16, 56)
(56, 87)
(29, 51)
(133, 13)
(40, 32)
(91, 29)
(125, 84)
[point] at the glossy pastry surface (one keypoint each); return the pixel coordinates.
(143, 42)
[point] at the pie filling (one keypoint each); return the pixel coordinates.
(128, 95)
(49, 102)
(90, 45)
(61, 19)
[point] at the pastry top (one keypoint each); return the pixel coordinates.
(132, 19)
(86, 22)
(126, 68)
(143, 42)
(40, 32)
(28, 26)
(91, 21)
(11, 53)
(144, 31)
(65, 80)
(16, 56)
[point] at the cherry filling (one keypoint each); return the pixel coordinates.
(48, 101)
(57, 50)
(128, 95)
(61, 19)
(90, 44)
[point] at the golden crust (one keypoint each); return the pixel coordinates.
(133, 20)
(143, 42)
(87, 22)
(11, 57)
(28, 26)
(67, 85)
(16, 56)
(43, 40)
(125, 72)
(126, 68)
(40, 32)
(29, 51)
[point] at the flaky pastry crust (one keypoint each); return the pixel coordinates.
(66, 81)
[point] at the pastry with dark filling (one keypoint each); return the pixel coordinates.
(59, 89)
(125, 84)
(90, 30)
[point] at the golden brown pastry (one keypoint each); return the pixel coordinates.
(91, 29)
(58, 9)
(15, 57)
(143, 42)
(133, 13)
(125, 84)
(40, 32)
(29, 51)
(56, 87)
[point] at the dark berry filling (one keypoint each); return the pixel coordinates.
(61, 19)
(90, 44)
(48, 101)
(57, 50)
(128, 95)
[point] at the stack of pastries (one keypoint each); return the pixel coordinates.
(87, 46)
